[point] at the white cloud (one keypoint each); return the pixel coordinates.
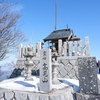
(18, 7)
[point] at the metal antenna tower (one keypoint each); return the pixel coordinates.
(30, 41)
(56, 15)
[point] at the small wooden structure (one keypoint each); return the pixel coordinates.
(64, 35)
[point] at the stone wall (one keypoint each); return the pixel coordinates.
(21, 63)
(63, 94)
(67, 67)
(20, 68)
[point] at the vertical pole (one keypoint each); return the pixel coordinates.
(65, 49)
(34, 49)
(70, 48)
(56, 15)
(60, 47)
(39, 48)
(81, 48)
(87, 46)
(20, 51)
(76, 48)
(23, 51)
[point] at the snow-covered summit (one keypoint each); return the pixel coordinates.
(18, 83)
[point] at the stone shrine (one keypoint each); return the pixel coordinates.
(65, 57)
(68, 47)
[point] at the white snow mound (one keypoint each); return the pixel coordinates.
(18, 83)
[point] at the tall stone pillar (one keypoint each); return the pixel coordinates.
(76, 48)
(34, 49)
(39, 48)
(70, 48)
(23, 51)
(65, 49)
(60, 47)
(20, 51)
(81, 48)
(87, 46)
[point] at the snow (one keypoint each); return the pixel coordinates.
(18, 83)
(98, 75)
(72, 82)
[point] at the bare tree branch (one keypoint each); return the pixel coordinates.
(10, 35)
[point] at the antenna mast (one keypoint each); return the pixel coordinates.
(56, 15)
(31, 38)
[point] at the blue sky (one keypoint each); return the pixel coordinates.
(82, 16)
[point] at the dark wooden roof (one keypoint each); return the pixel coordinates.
(59, 34)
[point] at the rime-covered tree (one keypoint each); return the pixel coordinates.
(10, 35)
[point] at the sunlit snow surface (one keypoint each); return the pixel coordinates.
(18, 83)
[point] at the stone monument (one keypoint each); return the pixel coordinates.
(88, 81)
(45, 70)
(29, 63)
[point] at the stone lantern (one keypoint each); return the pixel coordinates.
(29, 63)
(54, 66)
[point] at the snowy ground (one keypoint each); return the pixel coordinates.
(19, 84)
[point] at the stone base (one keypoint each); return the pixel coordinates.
(82, 96)
(28, 79)
(56, 82)
(62, 94)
